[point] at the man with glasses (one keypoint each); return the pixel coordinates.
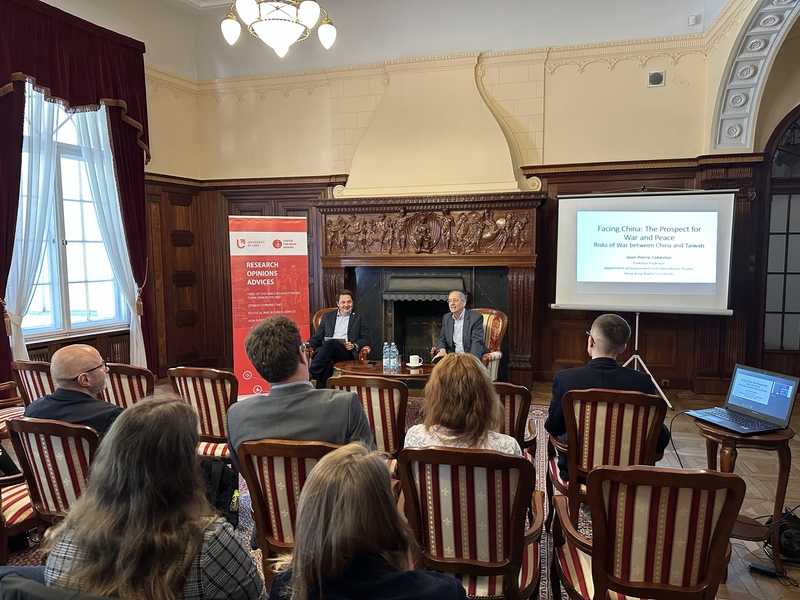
(607, 338)
(79, 373)
(462, 329)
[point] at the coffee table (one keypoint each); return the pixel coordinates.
(374, 368)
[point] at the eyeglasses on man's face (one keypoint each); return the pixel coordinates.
(102, 364)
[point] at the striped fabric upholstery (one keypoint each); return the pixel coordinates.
(123, 389)
(213, 450)
(6, 414)
(16, 504)
(35, 381)
(281, 479)
(60, 468)
(652, 525)
(516, 402)
(468, 512)
(494, 329)
(382, 407)
(612, 433)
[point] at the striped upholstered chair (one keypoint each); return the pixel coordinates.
(11, 406)
(275, 472)
(384, 401)
(55, 459)
(656, 533)
(467, 509)
(604, 427)
(33, 379)
(516, 401)
(126, 384)
(211, 392)
(16, 511)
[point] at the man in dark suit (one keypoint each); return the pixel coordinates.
(79, 373)
(608, 337)
(462, 329)
(342, 324)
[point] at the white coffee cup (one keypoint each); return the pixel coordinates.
(415, 360)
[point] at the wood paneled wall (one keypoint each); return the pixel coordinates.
(190, 270)
(689, 351)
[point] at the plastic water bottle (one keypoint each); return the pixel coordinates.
(386, 357)
(394, 358)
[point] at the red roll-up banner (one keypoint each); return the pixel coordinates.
(269, 276)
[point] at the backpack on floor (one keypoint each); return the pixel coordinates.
(223, 489)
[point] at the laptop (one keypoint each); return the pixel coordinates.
(758, 402)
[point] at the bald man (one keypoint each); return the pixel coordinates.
(79, 373)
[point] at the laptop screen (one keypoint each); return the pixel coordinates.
(762, 394)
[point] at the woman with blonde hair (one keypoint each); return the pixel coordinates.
(461, 409)
(143, 527)
(350, 540)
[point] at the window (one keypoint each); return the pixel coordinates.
(75, 290)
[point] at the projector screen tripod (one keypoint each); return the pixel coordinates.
(638, 361)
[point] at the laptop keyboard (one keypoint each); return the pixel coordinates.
(743, 420)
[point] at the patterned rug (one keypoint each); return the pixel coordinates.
(537, 414)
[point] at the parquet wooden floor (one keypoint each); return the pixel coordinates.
(759, 470)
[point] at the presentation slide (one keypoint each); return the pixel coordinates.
(656, 247)
(667, 252)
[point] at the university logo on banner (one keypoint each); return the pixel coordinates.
(269, 276)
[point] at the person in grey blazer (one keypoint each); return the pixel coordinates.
(293, 409)
(345, 324)
(471, 326)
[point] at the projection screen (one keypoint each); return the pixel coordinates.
(645, 252)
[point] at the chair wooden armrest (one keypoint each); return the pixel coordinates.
(363, 353)
(14, 398)
(6, 480)
(558, 444)
(565, 526)
(534, 532)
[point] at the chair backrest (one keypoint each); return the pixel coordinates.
(611, 427)
(467, 509)
(318, 317)
(494, 327)
(33, 379)
(211, 392)
(659, 532)
(55, 458)
(126, 384)
(516, 401)
(275, 472)
(384, 401)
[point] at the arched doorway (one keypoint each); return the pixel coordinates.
(781, 323)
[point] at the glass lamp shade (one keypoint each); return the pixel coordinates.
(279, 25)
(230, 29)
(308, 13)
(327, 33)
(248, 10)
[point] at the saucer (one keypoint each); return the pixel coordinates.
(411, 366)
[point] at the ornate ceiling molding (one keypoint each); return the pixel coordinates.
(748, 70)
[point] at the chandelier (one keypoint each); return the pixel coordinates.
(278, 24)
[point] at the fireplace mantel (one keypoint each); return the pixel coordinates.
(475, 230)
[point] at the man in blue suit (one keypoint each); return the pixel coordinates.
(608, 337)
(462, 329)
(342, 324)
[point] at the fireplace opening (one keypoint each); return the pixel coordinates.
(417, 325)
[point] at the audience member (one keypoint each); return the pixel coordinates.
(350, 540)
(293, 410)
(342, 324)
(461, 409)
(462, 329)
(608, 338)
(79, 373)
(144, 528)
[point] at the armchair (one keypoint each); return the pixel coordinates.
(363, 352)
(494, 328)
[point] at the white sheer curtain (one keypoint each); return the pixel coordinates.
(36, 196)
(94, 141)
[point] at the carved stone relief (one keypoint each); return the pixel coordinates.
(435, 232)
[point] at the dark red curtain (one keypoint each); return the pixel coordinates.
(82, 65)
(12, 112)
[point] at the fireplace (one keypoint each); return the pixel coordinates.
(402, 263)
